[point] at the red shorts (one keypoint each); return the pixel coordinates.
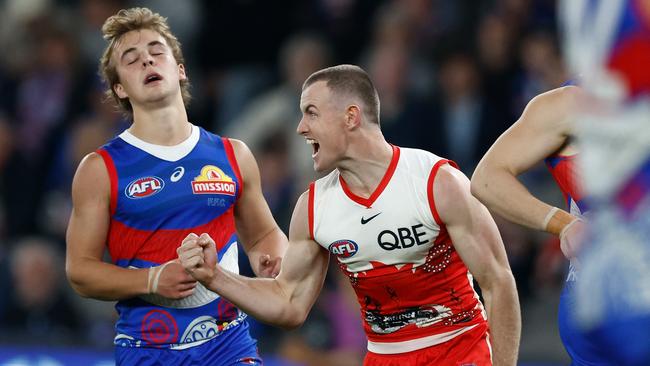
(468, 349)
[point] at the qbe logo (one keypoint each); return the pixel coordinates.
(344, 248)
(144, 187)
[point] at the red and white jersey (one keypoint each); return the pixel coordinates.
(413, 288)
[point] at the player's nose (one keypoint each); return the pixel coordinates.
(302, 127)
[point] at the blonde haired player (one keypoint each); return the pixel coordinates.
(140, 194)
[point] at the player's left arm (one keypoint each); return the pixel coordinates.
(476, 239)
(259, 234)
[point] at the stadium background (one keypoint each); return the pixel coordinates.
(452, 75)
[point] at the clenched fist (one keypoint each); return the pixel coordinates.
(198, 255)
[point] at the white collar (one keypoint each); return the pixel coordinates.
(169, 153)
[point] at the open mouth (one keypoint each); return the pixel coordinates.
(314, 145)
(152, 78)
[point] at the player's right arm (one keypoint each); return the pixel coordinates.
(283, 301)
(86, 240)
(543, 129)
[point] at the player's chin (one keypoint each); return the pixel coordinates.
(321, 166)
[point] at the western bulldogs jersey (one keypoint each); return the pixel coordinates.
(564, 170)
(581, 349)
(413, 288)
(159, 195)
(565, 173)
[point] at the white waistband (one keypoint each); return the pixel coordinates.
(415, 344)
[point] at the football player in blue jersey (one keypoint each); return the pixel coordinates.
(142, 192)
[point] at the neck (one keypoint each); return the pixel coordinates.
(366, 163)
(162, 125)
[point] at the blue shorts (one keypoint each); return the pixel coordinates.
(582, 348)
(232, 348)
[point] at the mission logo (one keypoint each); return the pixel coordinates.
(213, 181)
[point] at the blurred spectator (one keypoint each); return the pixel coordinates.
(38, 310)
(279, 108)
(463, 133)
(91, 15)
(6, 150)
(498, 66)
(47, 97)
(405, 117)
(542, 65)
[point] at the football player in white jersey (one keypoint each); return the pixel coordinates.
(410, 238)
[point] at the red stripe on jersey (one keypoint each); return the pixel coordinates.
(310, 209)
(159, 246)
(112, 175)
(432, 177)
(565, 174)
(382, 184)
(230, 152)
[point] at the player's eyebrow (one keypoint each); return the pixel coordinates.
(306, 108)
(150, 44)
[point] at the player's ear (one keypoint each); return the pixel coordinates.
(353, 116)
(119, 90)
(181, 72)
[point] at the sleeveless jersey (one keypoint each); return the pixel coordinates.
(564, 170)
(157, 200)
(581, 349)
(413, 288)
(565, 173)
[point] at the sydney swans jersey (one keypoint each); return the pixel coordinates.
(159, 195)
(413, 288)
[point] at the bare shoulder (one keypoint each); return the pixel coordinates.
(552, 108)
(91, 177)
(92, 167)
(453, 199)
(240, 149)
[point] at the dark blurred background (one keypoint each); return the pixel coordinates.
(452, 75)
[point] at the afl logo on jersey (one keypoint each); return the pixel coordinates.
(144, 187)
(213, 181)
(344, 248)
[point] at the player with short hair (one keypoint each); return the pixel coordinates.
(403, 227)
(145, 190)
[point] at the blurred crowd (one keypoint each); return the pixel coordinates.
(452, 75)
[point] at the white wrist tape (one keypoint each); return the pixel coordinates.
(549, 216)
(564, 229)
(159, 269)
(149, 278)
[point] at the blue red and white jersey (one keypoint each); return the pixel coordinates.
(604, 36)
(159, 195)
(565, 173)
(413, 289)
